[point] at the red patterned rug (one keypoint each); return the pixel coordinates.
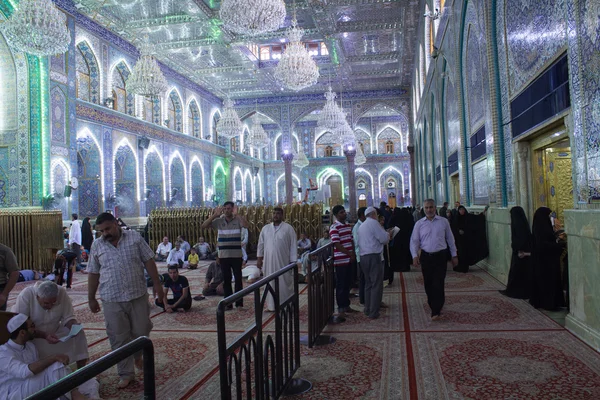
(456, 282)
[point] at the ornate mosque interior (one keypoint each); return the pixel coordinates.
(485, 102)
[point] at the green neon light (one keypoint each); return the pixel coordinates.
(45, 144)
(333, 171)
(218, 165)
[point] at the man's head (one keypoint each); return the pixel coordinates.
(178, 245)
(382, 204)
(73, 216)
(107, 225)
(165, 240)
(228, 209)
(326, 233)
(457, 204)
(381, 219)
(21, 328)
(277, 215)
(65, 229)
(173, 272)
(302, 236)
(429, 208)
(47, 294)
(371, 212)
(339, 212)
(445, 204)
(361, 214)
(201, 239)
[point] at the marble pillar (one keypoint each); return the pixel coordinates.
(289, 184)
(231, 182)
(522, 150)
(350, 154)
(413, 187)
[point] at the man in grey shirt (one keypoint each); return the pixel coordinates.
(431, 237)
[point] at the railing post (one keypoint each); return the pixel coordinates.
(149, 373)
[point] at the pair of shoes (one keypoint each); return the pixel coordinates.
(199, 297)
(383, 305)
(374, 317)
(436, 317)
(124, 382)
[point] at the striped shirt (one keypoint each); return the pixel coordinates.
(121, 268)
(341, 233)
(229, 237)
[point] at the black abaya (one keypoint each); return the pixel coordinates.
(519, 276)
(400, 256)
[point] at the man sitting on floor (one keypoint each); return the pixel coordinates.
(163, 250)
(176, 256)
(213, 286)
(203, 249)
(22, 373)
(182, 298)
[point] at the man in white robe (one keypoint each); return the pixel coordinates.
(51, 310)
(277, 249)
(22, 372)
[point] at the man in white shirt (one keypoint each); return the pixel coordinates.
(22, 373)
(371, 239)
(176, 256)
(203, 249)
(163, 250)
(277, 247)
(361, 277)
(75, 237)
(304, 244)
(185, 246)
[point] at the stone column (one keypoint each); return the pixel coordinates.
(289, 184)
(523, 166)
(411, 151)
(231, 182)
(350, 154)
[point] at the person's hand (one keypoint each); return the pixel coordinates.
(521, 254)
(62, 358)
(206, 286)
(94, 306)
(259, 263)
(217, 261)
(168, 308)
(352, 256)
(217, 211)
(52, 339)
(3, 299)
(461, 232)
(455, 261)
(160, 294)
(416, 261)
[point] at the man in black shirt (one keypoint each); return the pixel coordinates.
(182, 298)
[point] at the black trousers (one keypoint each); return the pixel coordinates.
(186, 304)
(229, 265)
(343, 278)
(433, 266)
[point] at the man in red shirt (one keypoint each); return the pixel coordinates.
(344, 257)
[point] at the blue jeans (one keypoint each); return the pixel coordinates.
(343, 280)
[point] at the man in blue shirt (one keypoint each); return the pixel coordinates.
(429, 242)
(180, 287)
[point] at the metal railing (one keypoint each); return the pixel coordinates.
(259, 364)
(321, 299)
(90, 371)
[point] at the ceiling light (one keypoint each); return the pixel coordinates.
(146, 79)
(300, 159)
(229, 125)
(252, 17)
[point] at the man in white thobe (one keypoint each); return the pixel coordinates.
(22, 372)
(51, 310)
(276, 250)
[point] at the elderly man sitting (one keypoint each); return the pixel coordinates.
(22, 371)
(50, 308)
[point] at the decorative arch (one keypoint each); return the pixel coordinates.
(60, 172)
(155, 180)
(219, 182)
(58, 114)
(177, 179)
(280, 187)
(248, 187)
(126, 179)
(196, 182)
(215, 116)
(278, 145)
(323, 140)
(90, 173)
(367, 178)
(174, 111)
(123, 101)
(258, 190)
(363, 139)
(194, 119)
(386, 136)
(391, 173)
(238, 184)
(88, 73)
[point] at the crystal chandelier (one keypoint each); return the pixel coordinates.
(229, 125)
(296, 70)
(359, 158)
(146, 79)
(300, 159)
(252, 17)
(37, 27)
(258, 138)
(346, 135)
(331, 117)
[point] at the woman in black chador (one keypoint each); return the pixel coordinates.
(400, 256)
(471, 238)
(519, 276)
(547, 292)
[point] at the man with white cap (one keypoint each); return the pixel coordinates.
(22, 373)
(371, 239)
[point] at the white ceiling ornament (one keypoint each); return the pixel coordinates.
(37, 27)
(300, 159)
(296, 70)
(229, 125)
(146, 78)
(258, 138)
(331, 117)
(252, 17)
(359, 158)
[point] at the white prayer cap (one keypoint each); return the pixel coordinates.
(370, 210)
(15, 322)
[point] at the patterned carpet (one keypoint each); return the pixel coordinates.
(486, 346)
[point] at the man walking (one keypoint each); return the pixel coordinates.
(443, 210)
(371, 239)
(431, 237)
(277, 249)
(361, 285)
(117, 264)
(75, 238)
(229, 242)
(9, 274)
(343, 256)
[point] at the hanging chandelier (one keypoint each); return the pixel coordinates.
(346, 135)
(258, 138)
(331, 117)
(300, 159)
(252, 17)
(229, 124)
(37, 27)
(359, 158)
(296, 70)
(146, 78)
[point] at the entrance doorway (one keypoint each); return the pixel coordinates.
(335, 184)
(362, 200)
(455, 185)
(552, 166)
(392, 200)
